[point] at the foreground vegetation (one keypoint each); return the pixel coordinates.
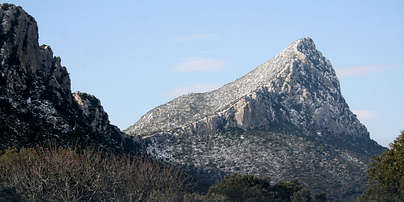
(251, 188)
(386, 174)
(67, 174)
(73, 174)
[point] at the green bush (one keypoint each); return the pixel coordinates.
(252, 188)
(386, 174)
(212, 197)
(8, 194)
(242, 188)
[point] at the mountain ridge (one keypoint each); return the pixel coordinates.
(270, 75)
(285, 112)
(36, 102)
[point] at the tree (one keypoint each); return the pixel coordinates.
(301, 195)
(251, 188)
(242, 188)
(386, 174)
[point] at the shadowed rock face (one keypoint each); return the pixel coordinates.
(36, 103)
(285, 119)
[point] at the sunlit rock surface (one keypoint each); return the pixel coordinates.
(285, 119)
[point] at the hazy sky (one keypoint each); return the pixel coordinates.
(135, 55)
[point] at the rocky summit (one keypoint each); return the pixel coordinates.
(36, 102)
(286, 119)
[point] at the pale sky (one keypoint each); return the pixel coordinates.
(135, 55)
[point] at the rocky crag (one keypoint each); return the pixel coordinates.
(286, 119)
(36, 102)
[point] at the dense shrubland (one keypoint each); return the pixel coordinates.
(72, 174)
(66, 174)
(56, 173)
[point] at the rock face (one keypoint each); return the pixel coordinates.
(285, 119)
(36, 103)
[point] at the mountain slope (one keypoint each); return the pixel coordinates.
(36, 102)
(299, 79)
(285, 119)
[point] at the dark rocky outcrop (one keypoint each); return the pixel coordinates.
(36, 102)
(285, 119)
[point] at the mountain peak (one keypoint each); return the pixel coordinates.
(271, 122)
(305, 42)
(304, 46)
(301, 49)
(299, 72)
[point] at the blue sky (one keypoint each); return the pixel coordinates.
(135, 55)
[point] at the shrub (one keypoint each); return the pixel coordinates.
(211, 197)
(386, 174)
(8, 194)
(252, 188)
(67, 174)
(72, 174)
(242, 187)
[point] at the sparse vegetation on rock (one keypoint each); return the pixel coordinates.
(285, 119)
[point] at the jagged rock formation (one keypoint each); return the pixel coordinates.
(285, 119)
(36, 103)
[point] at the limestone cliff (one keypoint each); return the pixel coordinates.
(285, 119)
(298, 87)
(36, 103)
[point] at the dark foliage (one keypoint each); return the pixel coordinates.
(8, 194)
(251, 188)
(386, 174)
